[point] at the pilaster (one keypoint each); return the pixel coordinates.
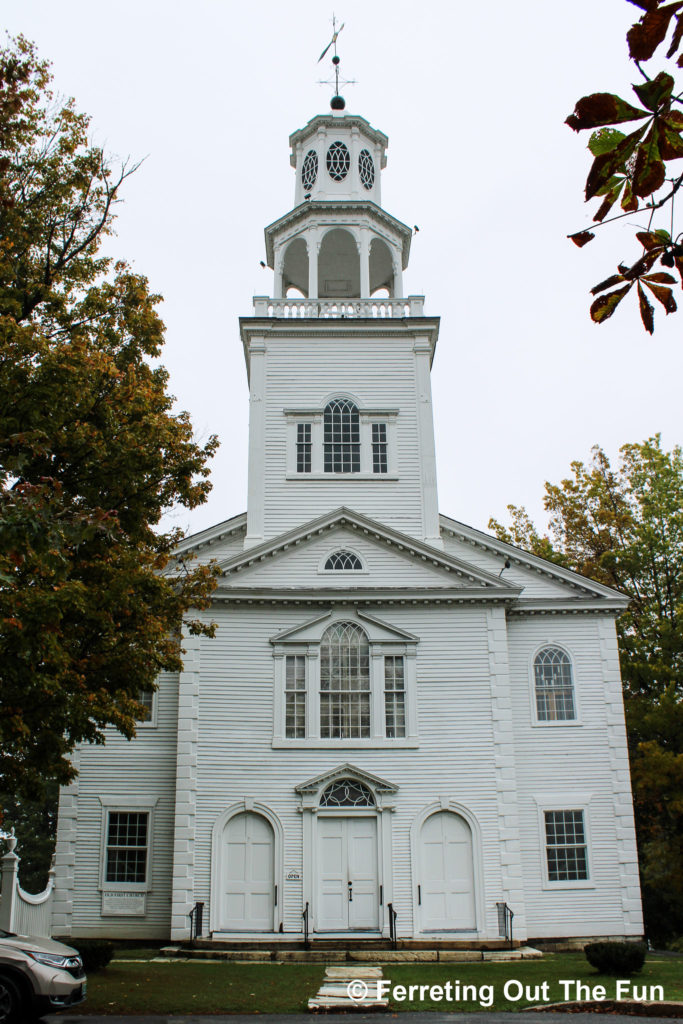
(65, 855)
(621, 779)
(182, 899)
(512, 888)
(430, 501)
(257, 441)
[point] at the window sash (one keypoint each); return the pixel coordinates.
(127, 847)
(380, 462)
(341, 438)
(344, 714)
(304, 447)
(295, 696)
(554, 687)
(566, 847)
(394, 697)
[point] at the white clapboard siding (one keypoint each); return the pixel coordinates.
(382, 566)
(583, 758)
(144, 766)
(536, 584)
(377, 372)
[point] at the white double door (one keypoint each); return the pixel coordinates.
(348, 890)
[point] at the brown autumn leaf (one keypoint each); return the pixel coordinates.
(647, 313)
(677, 36)
(645, 36)
(607, 283)
(581, 238)
(649, 171)
(629, 202)
(660, 278)
(607, 164)
(652, 239)
(669, 140)
(602, 108)
(663, 295)
(604, 306)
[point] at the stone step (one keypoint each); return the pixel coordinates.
(349, 956)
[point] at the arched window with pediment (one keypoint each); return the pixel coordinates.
(343, 561)
(344, 682)
(347, 793)
(341, 440)
(554, 686)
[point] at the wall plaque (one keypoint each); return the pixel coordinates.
(123, 904)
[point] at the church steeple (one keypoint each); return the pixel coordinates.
(337, 242)
(339, 358)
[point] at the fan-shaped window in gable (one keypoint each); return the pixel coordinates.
(344, 682)
(347, 793)
(341, 427)
(554, 686)
(343, 561)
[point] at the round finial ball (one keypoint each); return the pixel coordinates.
(337, 102)
(335, 59)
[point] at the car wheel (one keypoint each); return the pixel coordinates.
(10, 1000)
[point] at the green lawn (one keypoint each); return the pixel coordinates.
(200, 987)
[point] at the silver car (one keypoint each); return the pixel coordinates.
(37, 976)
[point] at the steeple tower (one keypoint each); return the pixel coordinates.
(339, 358)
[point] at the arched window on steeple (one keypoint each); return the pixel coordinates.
(341, 427)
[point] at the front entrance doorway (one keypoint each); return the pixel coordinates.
(248, 897)
(348, 890)
(447, 874)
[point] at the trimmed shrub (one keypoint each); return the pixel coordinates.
(619, 958)
(95, 953)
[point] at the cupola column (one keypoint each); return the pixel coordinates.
(365, 240)
(313, 244)
(279, 269)
(398, 274)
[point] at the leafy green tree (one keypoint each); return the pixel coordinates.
(35, 824)
(91, 454)
(623, 527)
(632, 167)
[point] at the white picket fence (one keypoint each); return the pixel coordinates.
(20, 911)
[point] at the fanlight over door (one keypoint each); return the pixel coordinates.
(248, 897)
(446, 893)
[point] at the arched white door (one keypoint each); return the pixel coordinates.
(446, 894)
(248, 897)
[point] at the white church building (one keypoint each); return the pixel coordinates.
(401, 720)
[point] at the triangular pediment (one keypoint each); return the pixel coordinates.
(388, 559)
(346, 771)
(311, 631)
(541, 582)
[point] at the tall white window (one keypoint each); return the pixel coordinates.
(344, 682)
(554, 686)
(127, 841)
(295, 696)
(303, 447)
(566, 848)
(341, 437)
(380, 463)
(394, 696)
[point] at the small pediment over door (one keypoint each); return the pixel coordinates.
(381, 792)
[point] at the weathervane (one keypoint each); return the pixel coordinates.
(337, 102)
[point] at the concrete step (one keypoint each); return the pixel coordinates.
(348, 956)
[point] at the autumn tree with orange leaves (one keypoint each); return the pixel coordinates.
(92, 604)
(631, 168)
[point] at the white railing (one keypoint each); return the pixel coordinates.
(21, 912)
(339, 308)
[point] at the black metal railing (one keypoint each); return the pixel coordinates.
(196, 916)
(392, 924)
(304, 917)
(505, 916)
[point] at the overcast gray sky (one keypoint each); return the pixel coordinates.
(473, 97)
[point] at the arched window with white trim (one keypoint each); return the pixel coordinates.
(344, 682)
(343, 561)
(341, 441)
(554, 686)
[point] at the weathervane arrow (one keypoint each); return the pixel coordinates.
(333, 40)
